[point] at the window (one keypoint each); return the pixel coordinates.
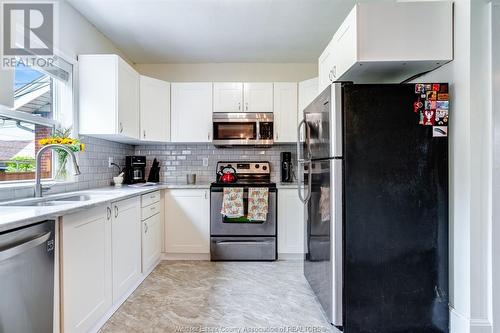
(43, 102)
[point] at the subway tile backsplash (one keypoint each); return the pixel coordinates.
(177, 160)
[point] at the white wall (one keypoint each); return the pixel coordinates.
(79, 36)
(230, 71)
(470, 165)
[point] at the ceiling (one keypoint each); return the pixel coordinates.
(194, 31)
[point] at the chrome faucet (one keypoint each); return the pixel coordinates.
(38, 167)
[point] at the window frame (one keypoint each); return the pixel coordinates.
(25, 117)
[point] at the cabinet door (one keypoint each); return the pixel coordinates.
(290, 222)
(7, 77)
(86, 268)
(258, 97)
(155, 109)
(126, 240)
(325, 65)
(344, 47)
(308, 91)
(285, 112)
(128, 100)
(228, 97)
(151, 242)
(191, 112)
(187, 223)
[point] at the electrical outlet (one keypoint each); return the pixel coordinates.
(110, 160)
(205, 161)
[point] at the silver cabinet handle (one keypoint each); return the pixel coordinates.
(145, 228)
(121, 127)
(116, 211)
(108, 212)
(334, 71)
(153, 208)
(208, 136)
(144, 134)
(246, 106)
(239, 106)
(330, 76)
(206, 195)
(20, 248)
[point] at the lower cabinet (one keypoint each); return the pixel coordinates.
(187, 221)
(126, 249)
(151, 242)
(290, 222)
(100, 261)
(86, 277)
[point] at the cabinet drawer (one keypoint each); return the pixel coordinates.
(150, 198)
(150, 210)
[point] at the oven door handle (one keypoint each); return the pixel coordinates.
(237, 242)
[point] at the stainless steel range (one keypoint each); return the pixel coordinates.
(242, 239)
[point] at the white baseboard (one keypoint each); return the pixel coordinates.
(186, 256)
(481, 326)
(291, 256)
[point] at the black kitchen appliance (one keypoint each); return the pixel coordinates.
(154, 172)
(286, 167)
(376, 161)
(135, 169)
(243, 240)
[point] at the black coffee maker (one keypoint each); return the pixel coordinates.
(286, 167)
(135, 169)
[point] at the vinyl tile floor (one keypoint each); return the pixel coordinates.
(203, 296)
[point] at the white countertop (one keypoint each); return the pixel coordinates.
(18, 216)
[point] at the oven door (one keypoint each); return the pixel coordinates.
(222, 226)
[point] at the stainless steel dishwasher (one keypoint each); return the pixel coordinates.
(27, 279)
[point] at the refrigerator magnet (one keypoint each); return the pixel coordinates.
(429, 117)
(439, 131)
(445, 105)
(430, 105)
(443, 88)
(435, 86)
(417, 106)
(443, 97)
(431, 95)
(428, 87)
(441, 117)
(419, 88)
(421, 117)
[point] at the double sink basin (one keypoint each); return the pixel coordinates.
(56, 200)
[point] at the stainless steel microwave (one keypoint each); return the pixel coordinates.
(243, 128)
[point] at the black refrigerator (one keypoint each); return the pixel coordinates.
(374, 169)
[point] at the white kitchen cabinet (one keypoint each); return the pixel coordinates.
(126, 250)
(108, 98)
(308, 91)
(86, 268)
(151, 242)
(154, 109)
(7, 77)
(228, 97)
(187, 221)
(191, 112)
(372, 44)
(285, 111)
(258, 96)
(290, 222)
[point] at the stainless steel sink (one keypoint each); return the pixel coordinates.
(80, 197)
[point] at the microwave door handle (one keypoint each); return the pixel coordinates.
(257, 129)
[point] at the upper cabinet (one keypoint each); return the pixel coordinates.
(228, 97)
(108, 98)
(243, 97)
(154, 109)
(388, 42)
(191, 112)
(308, 91)
(285, 111)
(258, 97)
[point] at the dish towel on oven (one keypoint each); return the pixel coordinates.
(258, 203)
(232, 202)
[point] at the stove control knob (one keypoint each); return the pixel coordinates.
(264, 168)
(257, 166)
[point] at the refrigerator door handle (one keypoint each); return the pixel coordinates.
(304, 198)
(336, 213)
